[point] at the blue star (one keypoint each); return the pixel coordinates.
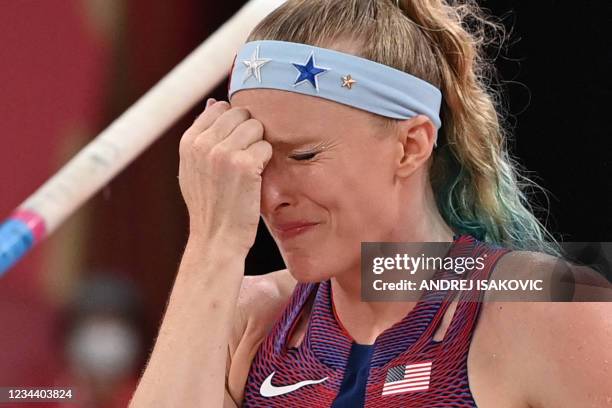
(309, 72)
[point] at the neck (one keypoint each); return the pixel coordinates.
(366, 320)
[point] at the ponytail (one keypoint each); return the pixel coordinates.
(478, 187)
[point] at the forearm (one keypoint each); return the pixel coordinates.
(187, 366)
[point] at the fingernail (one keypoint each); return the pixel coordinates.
(210, 101)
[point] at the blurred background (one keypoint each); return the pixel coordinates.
(83, 308)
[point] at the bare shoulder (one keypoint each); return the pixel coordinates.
(265, 295)
(559, 279)
(271, 285)
(261, 301)
(525, 264)
(556, 353)
(547, 312)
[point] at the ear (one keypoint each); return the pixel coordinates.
(416, 138)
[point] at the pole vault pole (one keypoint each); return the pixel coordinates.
(128, 136)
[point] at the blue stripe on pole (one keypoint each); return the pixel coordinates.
(15, 241)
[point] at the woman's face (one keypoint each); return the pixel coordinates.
(330, 183)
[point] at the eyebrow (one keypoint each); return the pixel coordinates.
(289, 141)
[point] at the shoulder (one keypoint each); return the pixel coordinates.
(525, 264)
(559, 279)
(272, 286)
(263, 294)
(559, 351)
(261, 301)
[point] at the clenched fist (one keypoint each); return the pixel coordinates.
(222, 157)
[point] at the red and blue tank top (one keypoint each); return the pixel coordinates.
(405, 367)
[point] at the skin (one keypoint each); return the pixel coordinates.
(347, 207)
(533, 371)
(293, 158)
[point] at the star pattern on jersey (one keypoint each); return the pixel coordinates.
(254, 65)
(309, 72)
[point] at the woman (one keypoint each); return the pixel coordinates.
(352, 121)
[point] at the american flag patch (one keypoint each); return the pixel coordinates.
(407, 378)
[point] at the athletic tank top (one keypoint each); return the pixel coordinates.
(405, 367)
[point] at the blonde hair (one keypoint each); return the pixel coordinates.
(478, 187)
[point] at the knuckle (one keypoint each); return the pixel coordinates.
(218, 153)
(183, 146)
(212, 132)
(243, 113)
(202, 144)
(239, 161)
(188, 134)
(217, 109)
(254, 126)
(265, 148)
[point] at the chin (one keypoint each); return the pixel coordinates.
(304, 269)
(305, 273)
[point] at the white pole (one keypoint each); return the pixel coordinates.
(128, 136)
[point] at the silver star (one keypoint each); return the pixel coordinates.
(254, 66)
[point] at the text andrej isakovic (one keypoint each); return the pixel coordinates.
(459, 265)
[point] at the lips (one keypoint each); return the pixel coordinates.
(288, 230)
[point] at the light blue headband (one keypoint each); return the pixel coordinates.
(333, 75)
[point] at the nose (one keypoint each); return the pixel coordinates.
(276, 187)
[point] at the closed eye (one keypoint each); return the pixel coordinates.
(304, 156)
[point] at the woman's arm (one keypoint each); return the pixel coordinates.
(188, 365)
(223, 155)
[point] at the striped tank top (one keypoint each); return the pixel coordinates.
(405, 367)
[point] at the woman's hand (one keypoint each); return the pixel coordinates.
(222, 157)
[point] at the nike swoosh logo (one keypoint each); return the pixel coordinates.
(269, 390)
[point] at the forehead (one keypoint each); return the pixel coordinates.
(289, 116)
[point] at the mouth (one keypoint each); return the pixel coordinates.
(290, 230)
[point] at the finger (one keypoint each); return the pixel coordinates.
(212, 111)
(261, 151)
(227, 122)
(244, 135)
(208, 116)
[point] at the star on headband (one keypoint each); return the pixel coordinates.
(348, 81)
(309, 72)
(254, 65)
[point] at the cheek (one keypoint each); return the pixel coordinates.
(353, 204)
(353, 188)
(358, 199)
(368, 185)
(316, 184)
